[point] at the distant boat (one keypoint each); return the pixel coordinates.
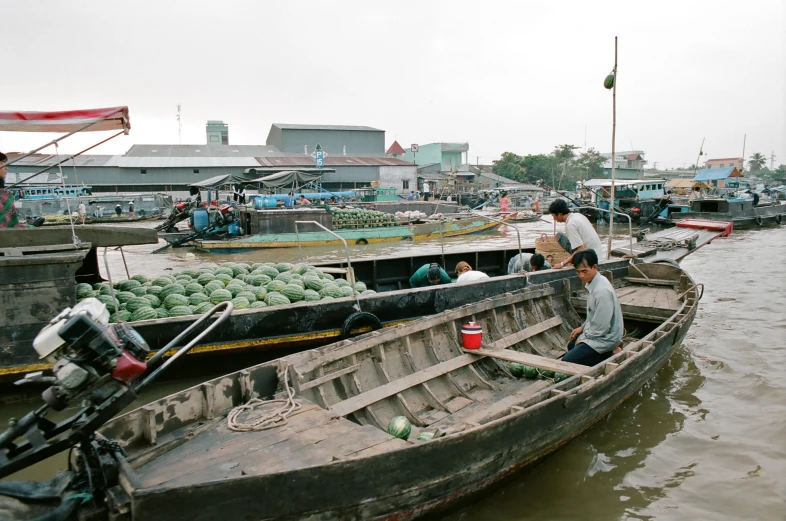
(739, 210)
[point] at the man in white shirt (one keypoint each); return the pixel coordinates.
(82, 211)
(425, 190)
(467, 274)
(580, 235)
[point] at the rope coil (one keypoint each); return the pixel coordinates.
(276, 418)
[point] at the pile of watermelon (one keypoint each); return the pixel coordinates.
(360, 218)
(526, 371)
(195, 291)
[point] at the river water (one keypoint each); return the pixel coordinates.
(705, 439)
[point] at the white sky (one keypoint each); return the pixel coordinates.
(504, 76)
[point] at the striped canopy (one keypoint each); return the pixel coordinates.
(113, 118)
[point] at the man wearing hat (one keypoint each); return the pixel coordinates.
(130, 209)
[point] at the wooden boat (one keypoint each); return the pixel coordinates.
(740, 211)
(526, 217)
(333, 458)
(59, 220)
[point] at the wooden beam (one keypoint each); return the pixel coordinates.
(363, 400)
(520, 336)
(540, 362)
(328, 377)
(652, 282)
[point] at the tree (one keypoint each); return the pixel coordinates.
(539, 168)
(757, 162)
(510, 166)
(591, 164)
(564, 156)
(780, 172)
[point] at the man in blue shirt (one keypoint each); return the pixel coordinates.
(601, 333)
(289, 200)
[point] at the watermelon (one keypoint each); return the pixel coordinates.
(196, 298)
(347, 291)
(275, 285)
(269, 271)
(154, 290)
(360, 287)
(369, 292)
(257, 304)
(171, 289)
(516, 369)
(161, 313)
(260, 293)
(144, 313)
(331, 290)
(341, 282)
(220, 295)
(310, 295)
(258, 280)
(530, 372)
(609, 81)
(255, 266)
(137, 302)
(161, 281)
(83, 290)
(154, 301)
(141, 278)
(235, 288)
(191, 273)
(281, 267)
(193, 287)
(237, 270)
(546, 374)
(293, 292)
(211, 286)
(184, 279)
(204, 307)
(126, 285)
(180, 311)
(425, 436)
(124, 296)
(276, 299)
(241, 277)
(314, 283)
(223, 277)
(204, 278)
(400, 427)
(207, 269)
(175, 300)
(327, 297)
(285, 276)
(102, 288)
(240, 303)
(248, 295)
(108, 301)
(299, 268)
(120, 316)
(140, 291)
(225, 270)
(558, 377)
(326, 276)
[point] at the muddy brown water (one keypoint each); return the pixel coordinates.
(704, 439)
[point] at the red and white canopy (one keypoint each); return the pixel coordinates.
(113, 118)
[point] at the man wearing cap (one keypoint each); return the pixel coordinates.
(130, 208)
(429, 275)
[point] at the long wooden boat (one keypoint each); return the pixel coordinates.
(741, 212)
(334, 459)
(412, 232)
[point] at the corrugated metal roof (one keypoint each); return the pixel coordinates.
(395, 148)
(202, 151)
(291, 126)
(182, 162)
(43, 160)
(304, 160)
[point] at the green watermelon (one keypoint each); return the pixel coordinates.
(225, 270)
(191, 273)
(516, 369)
(124, 296)
(120, 316)
(83, 290)
(325, 276)
(236, 288)
(202, 308)
(269, 271)
(258, 280)
(248, 295)
(300, 268)
(223, 277)
(285, 276)
(108, 301)
(341, 282)
(360, 287)
(255, 266)
(141, 278)
(260, 293)
(207, 269)
(293, 292)
(257, 304)
(161, 313)
(154, 301)
(144, 313)
(211, 286)
(314, 283)
(400, 427)
(193, 287)
(275, 285)
(530, 372)
(276, 299)
(310, 295)
(609, 81)
(154, 290)
(197, 298)
(546, 374)
(240, 303)
(558, 377)
(139, 292)
(180, 311)
(162, 281)
(347, 291)
(175, 300)
(126, 285)
(204, 278)
(137, 302)
(238, 270)
(171, 289)
(331, 290)
(369, 292)
(281, 267)
(102, 288)
(184, 279)
(220, 295)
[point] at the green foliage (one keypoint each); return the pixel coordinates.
(510, 166)
(757, 162)
(591, 164)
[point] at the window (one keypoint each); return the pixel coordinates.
(196, 170)
(721, 165)
(143, 171)
(405, 185)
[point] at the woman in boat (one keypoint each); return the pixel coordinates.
(601, 334)
(504, 202)
(9, 218)
(467, 274)
(429, 275)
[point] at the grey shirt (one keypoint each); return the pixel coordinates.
(603, 327)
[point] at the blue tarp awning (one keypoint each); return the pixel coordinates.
(716, 174)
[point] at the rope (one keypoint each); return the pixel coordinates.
(74, 238)
(277, 418)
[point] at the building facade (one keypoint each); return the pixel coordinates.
(726, 162)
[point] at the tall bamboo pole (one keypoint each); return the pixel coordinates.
(613, 150)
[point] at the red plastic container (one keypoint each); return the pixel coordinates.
(471, 335)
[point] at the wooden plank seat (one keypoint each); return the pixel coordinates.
(540, 362)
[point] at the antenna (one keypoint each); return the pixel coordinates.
(772, 160)
(179, 126)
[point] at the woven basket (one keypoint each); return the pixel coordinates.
(548, 246)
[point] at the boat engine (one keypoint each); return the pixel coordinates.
(91, 359)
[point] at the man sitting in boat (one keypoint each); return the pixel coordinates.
(601, 333)
(429, 275)
(303, 200)
(467, 274)
(580, 233)
(527, 262)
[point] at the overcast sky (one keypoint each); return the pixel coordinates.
(503, 76)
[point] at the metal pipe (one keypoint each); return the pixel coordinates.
(630, 227)
(183, 350)
(111, 286)
(52, 143)
(504, 223)
(350, 273)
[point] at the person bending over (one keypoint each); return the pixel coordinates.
(601, 333)
(580, 235)
(527, 262)
(429, 275)
(467, 274)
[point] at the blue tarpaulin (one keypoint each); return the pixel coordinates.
(716, 174)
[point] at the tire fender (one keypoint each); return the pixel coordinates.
(361, 241)
(758, 220)
(778, 218)
(359, 318)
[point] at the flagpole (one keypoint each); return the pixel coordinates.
(613, 150)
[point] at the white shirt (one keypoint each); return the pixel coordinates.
(425, 187)
(581, 233)
(81, 209)
(471, 276)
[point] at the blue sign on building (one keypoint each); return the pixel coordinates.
(319, 156)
